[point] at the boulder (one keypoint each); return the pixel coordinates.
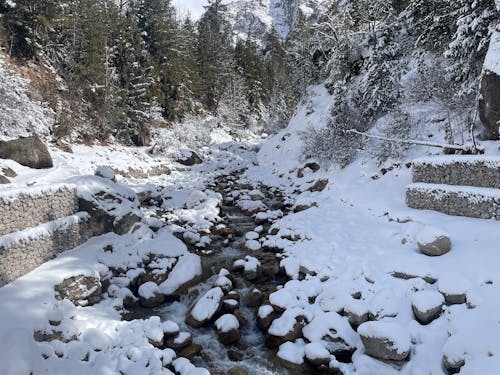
(9, 172)
(316, 354)
(189, 158)
(125, 224)
(385, 340)
(81, 290)
(4, 180)
(235, 355)
(206, 308)
(150, 295)
(105, 172)
(141, 138)
(427, 305)
(319, 185)
(489, 103)
(30, 152)
(179, 342)
(433, 241)
(453, 287)
(253, 298)
(228, 329)
(190, 351)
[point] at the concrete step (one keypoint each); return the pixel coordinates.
(28, 207)
(475, 202)
(480, 171)
(23, 251)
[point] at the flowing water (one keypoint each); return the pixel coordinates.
(257, 358)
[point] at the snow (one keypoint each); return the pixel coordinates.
(492, 60)
(227, 323)
(207, 305)
(443, 160)
(426, 300)
(252, 245)
(292, 351)
(187, 268)
(316, 351)
(105, 172)
(474, 194)
(264, 311)
(149, 290)
(452, 283)
(394, 332)
(252, 235)
(430, 234)
(42, 230)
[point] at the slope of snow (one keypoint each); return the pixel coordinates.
(19, 116)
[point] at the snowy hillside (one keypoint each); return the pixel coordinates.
(19, 115)
(256, 18)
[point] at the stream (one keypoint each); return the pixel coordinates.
(249, 355)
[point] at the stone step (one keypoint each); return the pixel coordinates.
(475, 202)
(28, 207)
(23, 251)
(480, 171)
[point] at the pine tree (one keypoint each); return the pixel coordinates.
(213, 52)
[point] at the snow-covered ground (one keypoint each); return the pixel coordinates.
(351, 251)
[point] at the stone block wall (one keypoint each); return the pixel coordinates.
(467, 170)
(22, 256)
(28, 209)
(473, 202)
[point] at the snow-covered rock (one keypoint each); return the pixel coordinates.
(427, 305)
(205, 308)
(385, 340)
(454, 288)
(105, 172)
(228, 329)
(150, 295)
(433, 241)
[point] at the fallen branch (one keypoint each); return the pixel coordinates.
(465, 148)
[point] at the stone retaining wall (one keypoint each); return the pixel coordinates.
(469, 171)
(26, 254)
(474, 202)
(29, 209)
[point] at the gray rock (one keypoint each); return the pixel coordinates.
(273, 342)
(319, 185)
(377, 338)
(433, 242)
(489, 104)
(206, 308)
(303, 207)
(191, 158)
(453, 366)
(81, 290)
(125, 224)
(179, 342)
(105, 172)
(8, 172)
(190, 352)
(427, 306)
(30, 152)
(4, 180)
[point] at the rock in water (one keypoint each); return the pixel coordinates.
(30, 152)
(433, 241)
(205, 308)
(150, 295)
(384, 340)
(228, 329)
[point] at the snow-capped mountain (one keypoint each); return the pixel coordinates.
(255, 18)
